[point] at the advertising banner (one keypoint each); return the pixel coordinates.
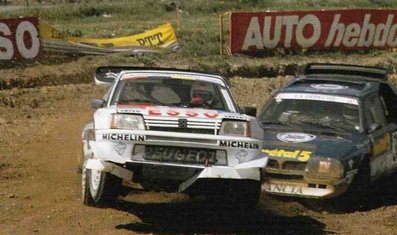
(357, 29)
(162, 36)
(19, 38)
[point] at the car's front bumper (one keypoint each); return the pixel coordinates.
(308, 187)
(246, 171)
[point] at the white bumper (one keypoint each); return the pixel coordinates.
(249, 170)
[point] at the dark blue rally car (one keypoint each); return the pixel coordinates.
(330, 131)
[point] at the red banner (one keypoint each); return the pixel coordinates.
(252, 32)
(19, 38)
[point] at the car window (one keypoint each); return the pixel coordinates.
(374, 112)
(107, 94)
(170, 92)
(326, 113)
(389, 100)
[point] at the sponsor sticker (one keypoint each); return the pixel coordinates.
(317, 97)
(129, 110)
(174, 113)
(237, 144)
(120, 148)
(125, 137)
(328, 86)
(235, 116)
(282, 188)
(241, 155)
(292, 137)
(299, 155)
(182, 76)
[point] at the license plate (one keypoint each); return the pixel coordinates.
(180, 155)
(282, 188)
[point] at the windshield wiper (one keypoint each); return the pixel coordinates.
(141, 101)
(278, 123)
(323, 125)
(148, 96)
(273, 122)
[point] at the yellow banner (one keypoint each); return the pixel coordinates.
(162, 36)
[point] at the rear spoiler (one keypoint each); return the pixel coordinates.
(346, 69)
(106, 75)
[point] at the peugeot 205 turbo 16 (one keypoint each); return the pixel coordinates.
(171, 130)
(330, 131)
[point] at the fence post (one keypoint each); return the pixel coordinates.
(221, 34)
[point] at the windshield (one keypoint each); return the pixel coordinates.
(320, 113)
(170, 92)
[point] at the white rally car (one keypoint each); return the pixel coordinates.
(171, 130)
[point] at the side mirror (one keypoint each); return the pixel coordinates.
(373, 127)
(251, 111)
(97, 103)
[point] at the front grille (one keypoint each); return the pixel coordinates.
(183, 125)
(286, 165)
(272, 164)
(284, 177)
(295, 166)
(182, 130)
(176, 139)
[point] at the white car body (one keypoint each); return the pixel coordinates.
(195, 131)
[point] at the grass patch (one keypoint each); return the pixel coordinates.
(197, 32)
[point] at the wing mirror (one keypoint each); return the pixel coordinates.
(97, 103)
(373, 127)
(251, 111)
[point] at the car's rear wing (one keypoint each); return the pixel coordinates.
(346, 69)
(105, 75)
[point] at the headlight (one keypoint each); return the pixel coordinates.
(235, 128)
(127, 121)
(319, 167)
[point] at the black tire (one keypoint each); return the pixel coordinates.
(233, 195)
(101, 191)
(245, 200)
(359, 192)
(249, 199)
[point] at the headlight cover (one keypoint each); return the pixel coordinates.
(235, 128)
(320, 167)
(127, 121)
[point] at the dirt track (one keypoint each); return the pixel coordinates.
(40, 187)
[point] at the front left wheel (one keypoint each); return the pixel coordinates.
(99, 188)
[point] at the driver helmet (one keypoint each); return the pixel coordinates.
(201, 92)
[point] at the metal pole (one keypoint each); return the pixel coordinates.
(178, 17)
(221, 34)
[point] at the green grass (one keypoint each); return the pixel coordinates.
(198, 31)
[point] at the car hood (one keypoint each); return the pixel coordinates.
(302, 145)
